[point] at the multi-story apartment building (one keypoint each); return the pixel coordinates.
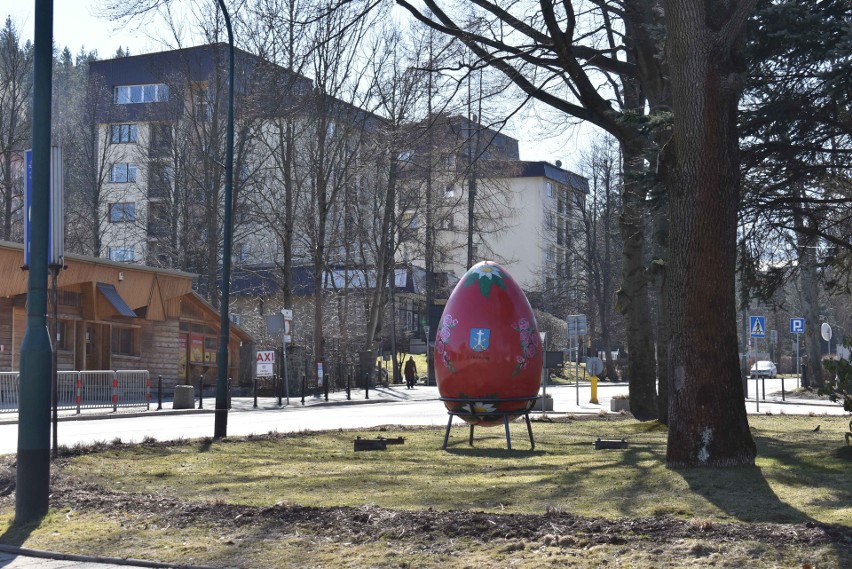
(525, 215)
(160, 121)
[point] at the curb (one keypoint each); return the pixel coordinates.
(21, 551)
(294, 404)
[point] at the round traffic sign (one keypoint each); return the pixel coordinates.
(825, 331)
(594, 366)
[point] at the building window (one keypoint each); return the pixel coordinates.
(124, 341)
(160, 178)
(64, 331)
(550, 253)
(549, 220)
(122, 254)
(410, 221)
(123, 133)
(549, 188)
(119, 212)
(242, 253)
(160, 139)
(122, 172)
(450, 192)
(235, 318)
(204, 104)
(131, 94)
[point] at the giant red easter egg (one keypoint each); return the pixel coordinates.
(487, 347)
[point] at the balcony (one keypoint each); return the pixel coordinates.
(158, 230)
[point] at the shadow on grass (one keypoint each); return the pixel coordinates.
(742, 493)
(462, 449)
(17, 533)
(745, 492)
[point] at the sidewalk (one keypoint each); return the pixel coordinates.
(392, 393)
(567, 399)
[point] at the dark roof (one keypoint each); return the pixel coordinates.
(275, 85)
(115, 300)
(555, 173)
(263, 280)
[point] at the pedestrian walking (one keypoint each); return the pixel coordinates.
(410, 373)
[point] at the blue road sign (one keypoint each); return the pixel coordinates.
(797, 325)
(757, 325)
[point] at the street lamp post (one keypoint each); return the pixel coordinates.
(33, 468)
(220, 428)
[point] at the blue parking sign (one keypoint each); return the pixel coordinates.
(797, 325)
(757, 325)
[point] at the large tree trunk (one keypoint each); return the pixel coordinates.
(633, 294)
(707, 417)
(810, 301)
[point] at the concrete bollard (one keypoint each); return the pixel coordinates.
(184, 397)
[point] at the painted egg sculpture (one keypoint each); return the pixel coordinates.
(487, 348)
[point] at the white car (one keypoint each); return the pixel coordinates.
(764, 368)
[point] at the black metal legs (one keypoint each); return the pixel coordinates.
(505, 425)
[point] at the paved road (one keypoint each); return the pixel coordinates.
(392, 406)
(389, 406)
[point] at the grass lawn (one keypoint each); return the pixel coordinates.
(309, 500)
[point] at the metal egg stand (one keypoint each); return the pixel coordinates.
(466, 414)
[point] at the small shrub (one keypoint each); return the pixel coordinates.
(841, 388)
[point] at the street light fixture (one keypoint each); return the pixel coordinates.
(220, 428)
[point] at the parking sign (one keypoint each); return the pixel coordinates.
(797, 325)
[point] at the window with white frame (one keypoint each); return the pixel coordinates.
(550, 253)
(549, 189)
(122, 254)
(122, 172)
(450, 192)
(132, 94)
(123, 133)
(549, 220)
(123, 211)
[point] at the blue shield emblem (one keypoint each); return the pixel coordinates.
(479, 339)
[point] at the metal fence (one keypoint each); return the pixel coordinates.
(86, 390)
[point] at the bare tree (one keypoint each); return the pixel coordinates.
(599, 214)
(15, 97)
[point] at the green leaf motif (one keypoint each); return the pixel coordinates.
(485, 287)
(485, 281)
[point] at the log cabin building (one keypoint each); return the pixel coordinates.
(114, 315)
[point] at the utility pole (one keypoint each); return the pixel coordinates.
(33, 469)
(471, 191)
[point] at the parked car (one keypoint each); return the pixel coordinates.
(764, 368)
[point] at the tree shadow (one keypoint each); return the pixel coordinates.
(16, 535)
(743, 493)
